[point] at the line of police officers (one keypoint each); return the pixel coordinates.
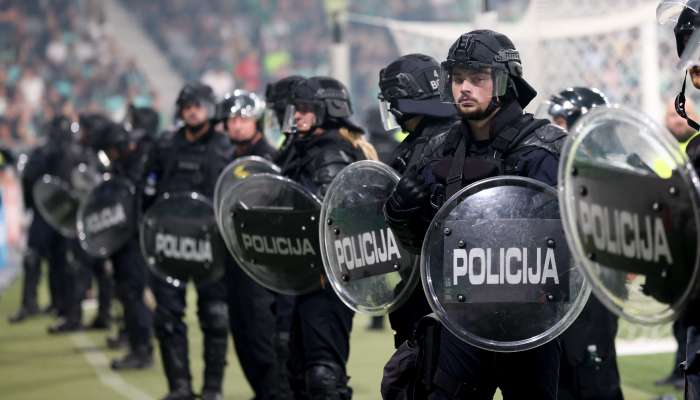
(465, 122)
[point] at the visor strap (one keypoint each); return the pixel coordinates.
(680, 106)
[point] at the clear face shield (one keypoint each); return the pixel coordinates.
(388, 118)
(668, 11)
(289, 124)
(691, 55)
(271, 128)
(471, 77)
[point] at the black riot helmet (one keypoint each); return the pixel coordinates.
(410, 86)
(685, 15)
(196, 93)
(93, 126)
(688, 20)
(241, 103)
(570, 104)
(60, 129)
(482, 50)
(277, 95)
(329, 100)
(141, 122)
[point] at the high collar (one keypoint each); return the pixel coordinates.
(508, 115)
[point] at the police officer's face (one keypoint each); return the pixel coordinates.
(304, 117)
(694, 73)
(194, 114)
(472, 90)
(560, 122)
(678, 125)
(241, 128)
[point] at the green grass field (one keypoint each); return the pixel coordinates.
(34, 365)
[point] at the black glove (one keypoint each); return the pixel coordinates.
(407, 211)
(410, 194)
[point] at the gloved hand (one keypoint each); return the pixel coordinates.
(410, 194)
(407, 211)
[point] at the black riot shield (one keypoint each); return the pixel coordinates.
(496, 269)
(630, 214)
(368, 269)
(239, 169)
(57, 203)
(180, 239)
(270, 225)
(107, 217)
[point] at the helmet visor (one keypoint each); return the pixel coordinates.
(471, 76)
(668, 11)
(289, 124)
(691, 55)
(272, 129)
(389, 121)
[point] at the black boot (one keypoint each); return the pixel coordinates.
(174, 354)
(180, 390)
(22, 314)
(100, 323)
(65, 326)
(135, 359)
(327, 381)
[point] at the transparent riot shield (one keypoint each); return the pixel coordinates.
(180, 240)
(364, 262)
(107, 217)
(629, 201)
(270, 225)
(240, 168)
(496, 268)
(58, 203)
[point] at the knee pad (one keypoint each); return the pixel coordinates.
(213, 318)
(327, 381)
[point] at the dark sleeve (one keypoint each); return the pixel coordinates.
(541, 165)
(326, 166)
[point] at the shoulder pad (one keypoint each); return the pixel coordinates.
(549, 137)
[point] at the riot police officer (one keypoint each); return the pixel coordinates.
(123, 145)
(81, 168)
(43, 242)
(686, 18)
(251, 316)
(410, 99)
(482, 77)
(190, 161)
(588, 367)
(327, 141)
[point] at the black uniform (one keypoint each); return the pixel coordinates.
(43, 242)
(530, 149)
(252, 318)
(131, 273)
(407, 156)
(321, 322)
(177, 165)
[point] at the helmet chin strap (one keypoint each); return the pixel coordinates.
(680, 106)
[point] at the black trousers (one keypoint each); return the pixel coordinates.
(44, 244)
(253, 326)
(403, 321)
(80, 264)
(131, 278)
(530, 374)
(171, 331)
(589, 360)
(320, 333)
(692, 366)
